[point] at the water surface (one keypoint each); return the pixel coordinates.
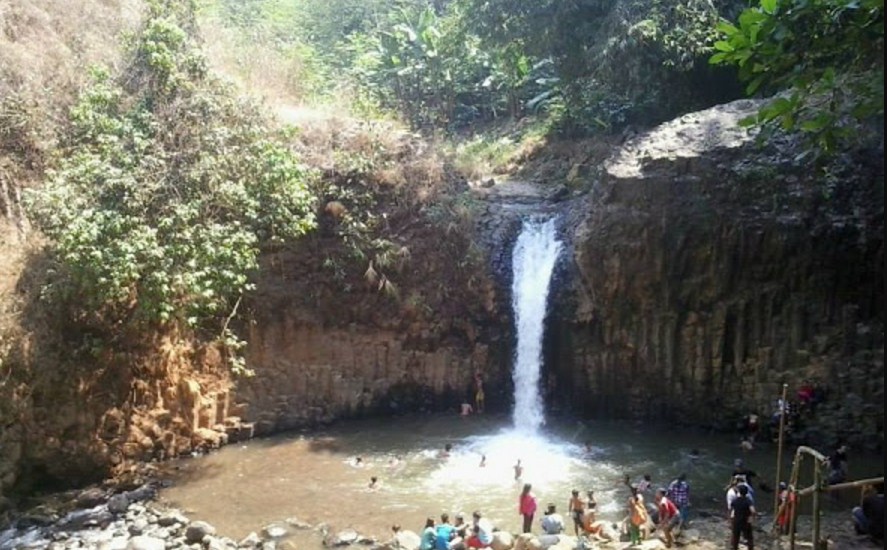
(314, 478)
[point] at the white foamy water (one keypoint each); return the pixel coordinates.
(535, 254)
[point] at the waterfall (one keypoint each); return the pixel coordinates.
(535, 253)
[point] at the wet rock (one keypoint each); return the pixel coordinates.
(98, 516)
(118, 504)
(145, 543)
(91, 497)
(197, 530)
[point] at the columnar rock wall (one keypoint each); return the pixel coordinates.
(709, 272)
(306, 374)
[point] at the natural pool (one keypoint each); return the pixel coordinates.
(313, 477)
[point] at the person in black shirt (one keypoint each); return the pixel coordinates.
(742, 511)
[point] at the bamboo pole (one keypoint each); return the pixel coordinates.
(793, 482)
(782, 411)
(841, 486)
(817, 481)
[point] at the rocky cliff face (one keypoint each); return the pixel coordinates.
(710, 272)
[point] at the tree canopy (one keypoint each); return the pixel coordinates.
(823, 58)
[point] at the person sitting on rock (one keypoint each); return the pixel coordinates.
(868, 517)
(482, 532)
(429, 535)
(461, 532)
(552, 522)
(591, 525)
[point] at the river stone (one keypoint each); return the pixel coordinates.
(345, 537)
(117, 543)
(138, 527)
(171, 517)
(98, 516)
(118, 504)
(407, 540)
(145, 492)
(502, 540)
(548, 541)
(296, 523)
(142, 542)
(91, 497)
(250, 541)
(527, 541)
(275, 530)
(197, 530)
(564, 542)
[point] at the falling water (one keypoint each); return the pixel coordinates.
(535, 253)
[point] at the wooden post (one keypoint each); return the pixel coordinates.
(817, 482)
(782, 408)
(793, 482)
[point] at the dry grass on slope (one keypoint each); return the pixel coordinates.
(45, 49)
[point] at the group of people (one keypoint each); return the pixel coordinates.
(582, 510)
(667, 510)
(458, 535)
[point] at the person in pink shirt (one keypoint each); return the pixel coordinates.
(527, 507)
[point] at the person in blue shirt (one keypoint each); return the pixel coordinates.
(444, 532)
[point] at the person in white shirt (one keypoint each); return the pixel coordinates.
(552, 522)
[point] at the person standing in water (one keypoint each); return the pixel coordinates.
(478, 393)
(527, 507)
(518, 470)
(577, 510)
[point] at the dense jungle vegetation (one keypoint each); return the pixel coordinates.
(167, 184)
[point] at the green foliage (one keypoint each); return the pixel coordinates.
(825, 57)
(617, 62)
(166, 191)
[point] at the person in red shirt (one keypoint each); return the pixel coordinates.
(669, 516)
(527, 507)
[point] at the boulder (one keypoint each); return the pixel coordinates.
(276, 530)
(345, 538)
(527, 541)
(142, 542)
(250, 541)
(407, 540)
(91, 497)
(197, 530)
(118, 504)
(502, 540)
